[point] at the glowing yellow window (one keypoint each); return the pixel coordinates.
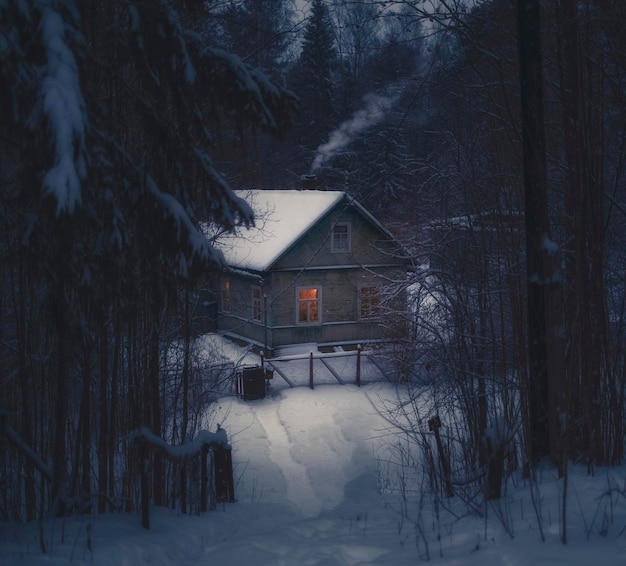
(308, 305)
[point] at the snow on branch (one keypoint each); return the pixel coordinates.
(174, 21)
(184, 451)
(64, 106)
(233, 210)
(200, 245)
(230, 209)
(171, 37)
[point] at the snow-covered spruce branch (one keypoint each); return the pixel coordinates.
(44, 92)
(173, 208)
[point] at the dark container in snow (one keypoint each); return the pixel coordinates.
(252, 383)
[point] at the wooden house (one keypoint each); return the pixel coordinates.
(317, 268)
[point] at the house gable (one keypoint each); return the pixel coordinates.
(316, 284)
(281, 219)
(369, 245)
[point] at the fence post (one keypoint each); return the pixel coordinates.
(311, 370)
(358, 365)
(224, 480)
(230, 477)
(434, 424)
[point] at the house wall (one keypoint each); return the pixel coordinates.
(339, 320)
(312, 263)
(314, 250)
(340, 290)
(239, 320)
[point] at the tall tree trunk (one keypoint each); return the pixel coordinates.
(114, 412)
(154, 413)
(61, 391)
(584, 197)
(20, 296)
(104, 424)
(536, 208)
(186, 368)
(81, 468)
(546, 413)
(185, 415)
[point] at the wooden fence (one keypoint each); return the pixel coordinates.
(317, 368)
(209, 453)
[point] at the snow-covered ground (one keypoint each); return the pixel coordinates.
(309, 466)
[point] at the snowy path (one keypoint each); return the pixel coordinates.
(297, 481)
(305, 452)
(307, 463)
(306, 468)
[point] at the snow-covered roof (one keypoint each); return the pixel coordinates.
(282, 218)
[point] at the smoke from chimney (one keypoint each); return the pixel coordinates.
(375, 108)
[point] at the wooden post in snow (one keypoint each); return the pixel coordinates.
(223, 471)
(358, 365)
(230, 477)
(311, 370)
(434, 425)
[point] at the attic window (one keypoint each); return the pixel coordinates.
(369, 302)
(308, 305)
(340, 242)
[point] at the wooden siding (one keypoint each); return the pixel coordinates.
(239, 320)
(315, 249)
(340, 292)
(311, 262)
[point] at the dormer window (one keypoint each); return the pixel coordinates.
(340, 242)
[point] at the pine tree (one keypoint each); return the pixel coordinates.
(109, 112)
(259, 31)
(313, 78)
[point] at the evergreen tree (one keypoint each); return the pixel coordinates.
(109, 112)
(313, 78)
(260, 32)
